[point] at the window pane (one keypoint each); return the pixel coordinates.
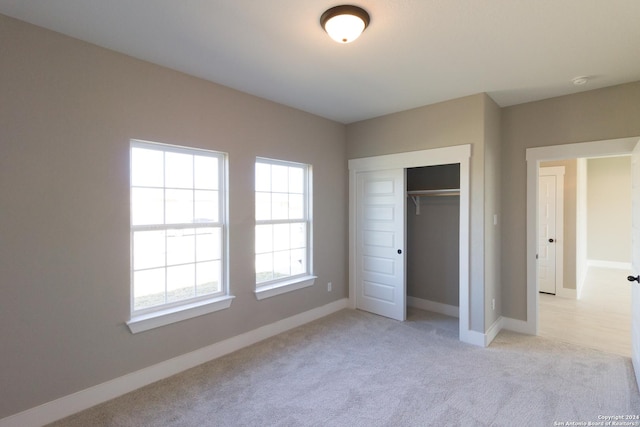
(173, 188)
(148, 288)
(281, 240)
(263, 206)
(180, 246)
(264, 238)
(148, 249)
(179, 170)
(281, 264)
(279, 178)
(281, 245)
(147, 167)
(208, 278)
(263, 177)
(296, 206)
(296, 180)
(208, 244)
(298, 235)
(180, 282)
(206, 173)
(179, 205)
(206, 206)
(298, 262)
(279, 206)
(264, 267)
(147, 206)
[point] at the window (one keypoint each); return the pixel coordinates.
(178, 232)
(283, 227)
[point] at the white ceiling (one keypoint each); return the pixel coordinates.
(414, 53)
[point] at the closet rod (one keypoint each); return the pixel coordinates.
(416, 194)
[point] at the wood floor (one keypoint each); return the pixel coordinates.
(600, 319)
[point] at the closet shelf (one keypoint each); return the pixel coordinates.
(445, 192)
(441, 192)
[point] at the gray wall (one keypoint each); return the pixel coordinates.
(492, 206)
(596, 115)
(433, 236)
(456, 122)
(67, 112)
(609, 209)
(569, 221)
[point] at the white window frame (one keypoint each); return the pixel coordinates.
(275, 287)
(156, 316)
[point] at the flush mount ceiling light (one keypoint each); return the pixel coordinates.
(344, 23)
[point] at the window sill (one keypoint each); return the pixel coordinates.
(274, 289)
(176, 314)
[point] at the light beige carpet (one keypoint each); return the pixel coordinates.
(357, 369)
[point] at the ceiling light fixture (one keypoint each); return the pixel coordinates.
(344, 23)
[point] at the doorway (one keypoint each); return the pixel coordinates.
(592, 309)
(615, 147)
(433, 217)
(400, 162)
(535, 156)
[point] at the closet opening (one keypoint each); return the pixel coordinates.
(433, 238)
(378, 212)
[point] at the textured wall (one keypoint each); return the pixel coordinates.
(456, 122)
(596, 115)
(492, 206)
(609, 209)
(67, 113)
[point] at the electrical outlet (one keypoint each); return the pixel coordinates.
(329, 287)
(493, 304)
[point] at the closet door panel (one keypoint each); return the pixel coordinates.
(380, 259)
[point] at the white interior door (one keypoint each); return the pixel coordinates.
(635, 260)
(380, 243)
(550, 229)
(547, 233)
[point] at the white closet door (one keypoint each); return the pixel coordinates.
(380, 242)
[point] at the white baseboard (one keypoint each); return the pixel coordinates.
(493, 331)
(84, 399)
(470, 337)
(609, 264)
(483, 340)
(519, 326)
(474, 337)
(436, 307)
(509, 324)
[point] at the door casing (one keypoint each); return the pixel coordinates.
(534, 156)
(438, 156)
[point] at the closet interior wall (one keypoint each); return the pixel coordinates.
(433, 235)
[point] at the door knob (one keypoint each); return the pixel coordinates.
(633, 279)
(551, 240)
(399, 251)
